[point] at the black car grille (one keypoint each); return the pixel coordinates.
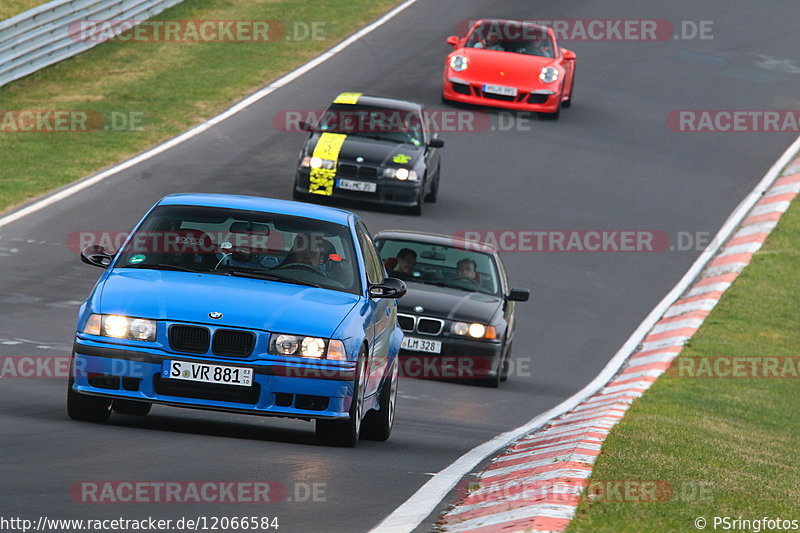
(406, 322)
(502, 97)
(233, 343)
(207, 391)
(189, 339)
(460, 88)
(538, 98)
(196, 339)
(429, 326)
(362, 171)
(347, 170)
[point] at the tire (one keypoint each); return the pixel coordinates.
(377, 425)
(87, 408)
(416, 209)
(506, 365)
(345, 433)
(431, 196)
(567, 103)
(131, 407)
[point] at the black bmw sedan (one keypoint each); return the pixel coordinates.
(370, 149)
(458, 313)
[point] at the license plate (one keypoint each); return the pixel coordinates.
(360, 186)
(499, 89)
(204, 373)
(415, 344)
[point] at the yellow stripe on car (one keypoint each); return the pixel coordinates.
(320, 180)
(347, 98)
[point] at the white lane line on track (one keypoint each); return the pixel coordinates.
(413, 511)
(197, 130)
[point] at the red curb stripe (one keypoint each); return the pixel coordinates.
(766, 217)
(659, 365)
(666, 349)
(785, 197)
(539, 456)
(731, 259)
(748, 239)
(544, 442)
(786, 180)
(510, 505)
(728, 277)
(670, 333)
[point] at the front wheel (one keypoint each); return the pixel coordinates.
(345, 433)
(378, 424)
(431, 196)
(87, 408)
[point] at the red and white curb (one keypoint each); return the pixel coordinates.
(536, 484)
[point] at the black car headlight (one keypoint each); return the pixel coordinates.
(475, 330)
(311, 347)
(121, 327)
(402, 174)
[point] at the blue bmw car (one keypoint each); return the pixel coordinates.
(246, 305)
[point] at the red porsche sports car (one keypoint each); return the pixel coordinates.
(510, 64)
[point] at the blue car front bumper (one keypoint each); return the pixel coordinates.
(307, 390)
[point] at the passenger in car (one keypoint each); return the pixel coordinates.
(404, 268)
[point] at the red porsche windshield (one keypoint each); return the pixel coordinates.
(512, 37)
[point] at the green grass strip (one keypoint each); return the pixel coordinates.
(10, 8)
(725, 447)
(166, 87)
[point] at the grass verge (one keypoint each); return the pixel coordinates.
(163, 88)
(726, 447)
(9, 8)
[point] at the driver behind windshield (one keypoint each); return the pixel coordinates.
(306, 250)
(466, 270)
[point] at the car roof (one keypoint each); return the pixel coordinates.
(434, 238)
(511, 21)
(385, 102)
(257, 203)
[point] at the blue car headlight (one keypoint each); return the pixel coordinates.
(121, 327)
(311, 347)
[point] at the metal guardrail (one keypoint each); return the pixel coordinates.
(42, 36)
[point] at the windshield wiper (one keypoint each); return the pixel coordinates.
(165, 266)
(270, 277)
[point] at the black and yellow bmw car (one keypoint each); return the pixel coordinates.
(372, 149)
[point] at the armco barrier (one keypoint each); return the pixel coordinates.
(40, 37)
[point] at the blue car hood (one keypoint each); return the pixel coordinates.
(243, 302)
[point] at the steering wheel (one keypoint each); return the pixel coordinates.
(466, 281)
(302, 266)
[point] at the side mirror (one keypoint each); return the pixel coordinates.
(453, 40)
(519, 295)
(569, 55)
(389, 288)
(96, 255)
(305, 126)
(436, 143)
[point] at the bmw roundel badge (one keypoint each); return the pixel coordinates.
(215, 315)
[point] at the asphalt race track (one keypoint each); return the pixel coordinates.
(609, 163)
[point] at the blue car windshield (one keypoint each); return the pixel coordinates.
(243, 243)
